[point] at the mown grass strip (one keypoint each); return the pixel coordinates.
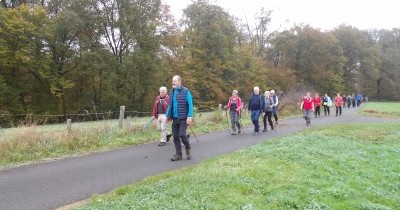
(384, 109)
(354, 166)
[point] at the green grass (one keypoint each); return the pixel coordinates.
(354, 166)
(385, 109)
(25, 145)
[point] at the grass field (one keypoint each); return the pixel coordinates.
(385, 109)
(354, 166)
(37, 143)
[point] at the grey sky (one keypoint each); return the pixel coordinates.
(323, 14)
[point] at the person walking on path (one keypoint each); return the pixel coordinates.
(327, 103)
(275, 106)
(359, 98)
(159, 109)
(338, 103)
(344, 98)
(348, 101)
(307, 106)
(268, 107)
(317, 103)
(256, 107)
(180, 111)
(235, 106)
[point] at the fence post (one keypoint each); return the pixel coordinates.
(121, 115)
(128, 121)
(69, 126)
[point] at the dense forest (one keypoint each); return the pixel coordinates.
(65, 56)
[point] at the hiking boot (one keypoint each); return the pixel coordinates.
(233, 133)
(188, 154)
(169, 137)
(265, 130)
(276, 123)
(162, 144)
(176, 157)
(188, 136)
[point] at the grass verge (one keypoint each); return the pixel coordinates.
(384, 109)
(354, 166)
(25, 145)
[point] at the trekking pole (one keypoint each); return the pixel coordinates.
(227, 121)
(190, 127)
(148, 124)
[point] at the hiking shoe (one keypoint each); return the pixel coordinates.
(176, 157)
(239, 131)
(233, 133)
(188, 154)
(255, 133)
(188, 136)
(162, 144)
(169, 137)
(265, 130)
(276, 123)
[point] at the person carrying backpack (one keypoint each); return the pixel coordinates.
(235, 106)
(256, 107)
(275, 106)
(268, 107)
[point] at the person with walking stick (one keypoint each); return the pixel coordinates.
(235, 106)
(180, 111)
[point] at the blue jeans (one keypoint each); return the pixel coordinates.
(255, 115)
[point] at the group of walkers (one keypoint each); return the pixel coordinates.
(177, 107)
(310, 105)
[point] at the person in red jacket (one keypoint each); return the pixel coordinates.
(338, 103)
(317, 105)
(307, 106)
(235, 107)
(159, 109)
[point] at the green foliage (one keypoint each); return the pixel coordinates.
(339, 167)
(69, 56)
(387, 109)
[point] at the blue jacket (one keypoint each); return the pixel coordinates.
(181, 104)
(253, 98)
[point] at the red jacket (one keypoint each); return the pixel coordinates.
(307, 103)
(338, 101)
(317, 101)
(238, 104)
(155, 107)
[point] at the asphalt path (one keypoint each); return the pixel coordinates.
(58, 183)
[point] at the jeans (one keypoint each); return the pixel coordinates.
(307, 115)
(179, 127)
(255, 116)
(338, 109)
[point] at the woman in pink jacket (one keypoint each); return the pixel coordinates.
(338, 103)
(235, 107)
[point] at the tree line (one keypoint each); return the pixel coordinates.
(68, 56)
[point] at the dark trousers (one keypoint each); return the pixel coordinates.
(234, 120)
(275, 113)
(317, 111)
(338, 110)
(269, 116)
(179, 127)
(327, 110)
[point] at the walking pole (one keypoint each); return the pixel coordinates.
(190, 127)
(227, 120)
(148, 124)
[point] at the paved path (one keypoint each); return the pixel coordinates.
(54, 184)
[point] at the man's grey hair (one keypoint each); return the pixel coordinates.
(256, 88)
(273, 91)
(179, 78)
(163, 89)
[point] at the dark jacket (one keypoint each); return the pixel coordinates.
(155, 107)
(252, 100)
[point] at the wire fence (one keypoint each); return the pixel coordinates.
(17, 120)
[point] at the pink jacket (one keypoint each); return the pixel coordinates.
(238, 104)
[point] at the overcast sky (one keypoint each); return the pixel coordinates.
(322, 14)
